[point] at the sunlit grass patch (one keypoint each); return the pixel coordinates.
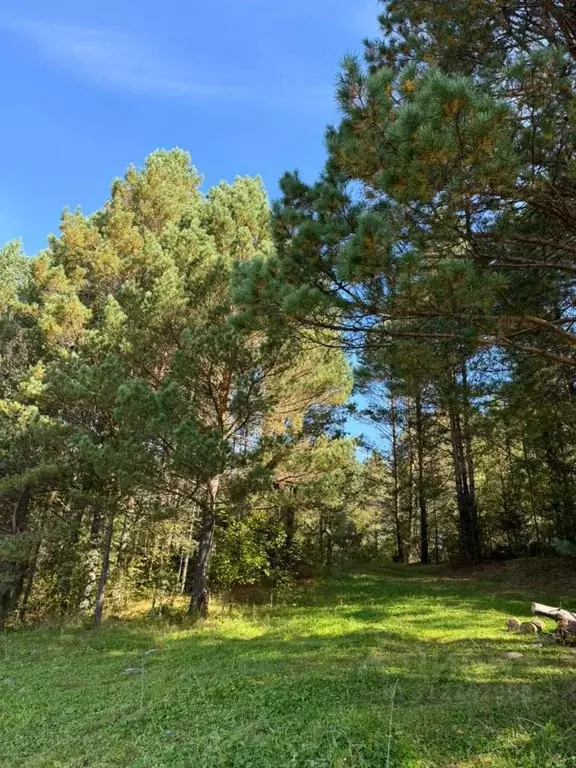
(405, 667)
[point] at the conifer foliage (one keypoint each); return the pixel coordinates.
(439, 242)
(176, 368)
(140, 414)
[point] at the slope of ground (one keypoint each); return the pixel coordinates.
(392, 667)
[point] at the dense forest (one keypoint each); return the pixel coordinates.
(179, 369)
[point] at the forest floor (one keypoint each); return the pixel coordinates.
(399, 666)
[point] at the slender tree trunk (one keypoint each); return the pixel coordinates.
(467, 431)
(468, 521)
(99, 606)
(321, 537)
(93, 558)
(180, 570)
(32, 565)
(13, 570)
(200, 580)
(566, 470)
(124, 540)
(436, 537)
(65, 586)
(395, 481)
(411, 492)
(470, 468)
(422, 501)
(289, 534)
(199, 598)
(186, 563)
(329, 550)
(533, 506)
(185, 573)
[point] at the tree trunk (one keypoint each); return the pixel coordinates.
(185, 573)
(538, 609)
(289, 535)
(65, 586)
(410, 491)
(186, 562)
(321, 537)
(396, 482)
(533, 505)
(436, 537)
(93, 558)
(32, 565)
(329, 550)
(468, 436)
(200, 579)
(13, 571)
(465, 498)
(422, 501)
(99, 606)
(199, 598)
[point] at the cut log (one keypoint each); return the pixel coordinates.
(552, 613)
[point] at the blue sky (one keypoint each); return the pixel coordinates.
(89, 87)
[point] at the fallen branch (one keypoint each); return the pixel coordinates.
(538, 609)
(565, 622)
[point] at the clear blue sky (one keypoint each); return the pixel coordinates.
(89, 87)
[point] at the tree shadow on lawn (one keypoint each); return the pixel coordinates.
(304, 686)
(431, 580)
(440, 688)
(225, 699)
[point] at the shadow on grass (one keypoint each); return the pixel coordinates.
(351, 673)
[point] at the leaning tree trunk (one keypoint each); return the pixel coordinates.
(200, 579)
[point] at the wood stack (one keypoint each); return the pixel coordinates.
(565, 622)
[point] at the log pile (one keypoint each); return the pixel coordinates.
(565, 632)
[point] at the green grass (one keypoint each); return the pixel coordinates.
(391, 667)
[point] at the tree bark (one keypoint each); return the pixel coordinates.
(99, 606)
(13, 571)
(93, 557)
(32, 565)
(422, 501)
(395, 480)
(321, 537)
(289, 535)
(410, 490)
(538, 609)
(200, 579)
(65, 585)
(533, 506)
(329, 549)
(470, 549)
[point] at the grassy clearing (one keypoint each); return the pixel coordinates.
(399, 667)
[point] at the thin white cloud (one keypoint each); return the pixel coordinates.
(118, 60)
(110, 59)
